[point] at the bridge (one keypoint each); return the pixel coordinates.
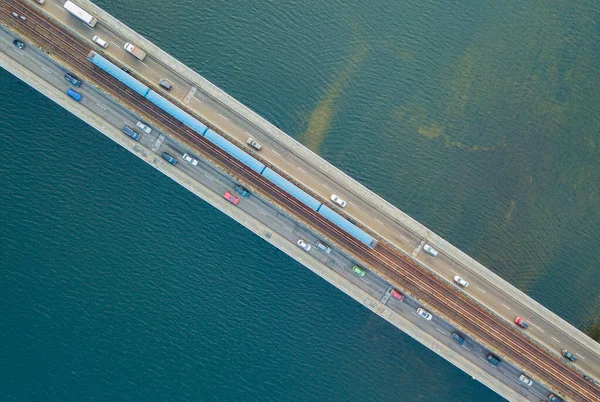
(290, 189)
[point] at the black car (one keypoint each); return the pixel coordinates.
(18, 44)
(74, 81)
(242, 191)
(494, 360)
(554, 398)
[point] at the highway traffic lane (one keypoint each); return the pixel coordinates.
(555, 339)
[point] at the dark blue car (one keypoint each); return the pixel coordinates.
(129, 132)
(169, 158)
(74, 94)
(458, 338)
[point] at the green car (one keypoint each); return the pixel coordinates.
(358, 270)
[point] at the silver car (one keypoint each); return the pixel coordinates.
(424, 314)
(144, 127)
(303, 245)
(525, 380)
(430, 250)
(338, 200)
(190, 160)
(461, 281)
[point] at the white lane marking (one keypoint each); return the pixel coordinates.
(115, 44)
(261, 211)
(144, 63)
(276, 153)
(88, 27)
(440, 331)
(505, 306)
(377, 220)
(208, 177)
(414, 313)
(59, 6)
(100, 106)
(581, 357)
(327, 186)
(18, 51)
(481, 290)
(288, 229)
(351, 203)
(481, 358)
(554, 339)
(466, 348)
(302, 170)
(540, 329)
(125, 122)
(223, 116)
(46, 70)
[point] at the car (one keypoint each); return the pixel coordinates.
(424, 314)
(554, 398)
(189, 159)
(144, 127)
(358, 270)
(241, 191)
(74, 94)
(169, 158)
(430, 250)
(461, 281)
(253, 143)
(231, 198)
(129, 132)
(338, 200)
(521, 322)
(525, 380)
(493, 359)
(128, 71)
(458, 338)
(18, 44)
(323, 247)
(569, 355)
(99, 41)
(396, 295)
(71, 79)
(166, 84)
(303, 245)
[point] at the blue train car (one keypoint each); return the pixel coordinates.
(119, 74)
(343, 224)
(291, 189)
(234, 151)
(176, 112)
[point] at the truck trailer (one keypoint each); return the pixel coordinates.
(135, 51)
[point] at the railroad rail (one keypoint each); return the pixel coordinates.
(396, 267)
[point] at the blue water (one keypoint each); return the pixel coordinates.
(480, 121)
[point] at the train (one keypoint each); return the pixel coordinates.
(233, 150)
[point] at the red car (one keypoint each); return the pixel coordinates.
(396, 295)
(231, 198)
(521, 322)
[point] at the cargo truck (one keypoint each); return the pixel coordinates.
(135, 51)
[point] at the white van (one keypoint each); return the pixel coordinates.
(100, 42)
(324, 247)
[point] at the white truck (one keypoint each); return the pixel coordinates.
(254, 144)
(135, 51)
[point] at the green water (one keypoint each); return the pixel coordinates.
(478, 119)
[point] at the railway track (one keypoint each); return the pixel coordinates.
(400, 270)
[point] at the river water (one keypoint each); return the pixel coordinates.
(478, 119)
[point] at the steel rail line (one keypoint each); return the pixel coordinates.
(386, 255)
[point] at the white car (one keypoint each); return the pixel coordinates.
(526, 380)
(338, 200)
(144, 127)
(461, 281)
(424, 313)
(430, 250)
(303, 245)
(190, 160)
